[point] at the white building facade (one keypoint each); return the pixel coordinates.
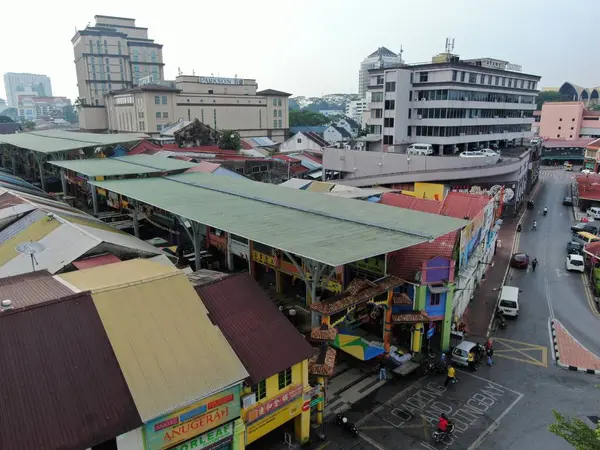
(355, 110)
(452, 105)
(380, 57)
(24, 83)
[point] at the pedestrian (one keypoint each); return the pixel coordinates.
(471, 361)
(382, 371)
(534, 227)
(443, 358)
(489, 353)
(534, 264)
(450, 376)
(489, 343)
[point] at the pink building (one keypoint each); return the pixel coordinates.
(568, 120)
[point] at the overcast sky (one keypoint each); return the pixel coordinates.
(312, 47)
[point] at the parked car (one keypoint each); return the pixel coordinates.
(574, 248)
(460, 353)
(519, 260)
(568, 201)
(593, 213)
(488, 152)
(584, 227)
(575, 263)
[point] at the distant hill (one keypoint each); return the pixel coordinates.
(316, 104)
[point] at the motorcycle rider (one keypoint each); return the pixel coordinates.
(451, 375)
(534, 264)
(545, 210)
(534, 227)
(443, 424)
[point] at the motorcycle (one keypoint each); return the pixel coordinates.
(501, 319)
(435, 367)
(440, 436)
(519, 227)
(349, 426)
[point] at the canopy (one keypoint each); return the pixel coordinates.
(357, 346)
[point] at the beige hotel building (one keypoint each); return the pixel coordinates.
(120, 77)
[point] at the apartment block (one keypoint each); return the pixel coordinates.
(31, 84)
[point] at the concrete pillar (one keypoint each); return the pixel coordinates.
(40, 161)
(250, 260)
(388, 325)
(228, 253)
(239, 435)
(197, 245)
(278, 285)
(63, 181)
(13, 157)
(321, 405)
(94, 194)
(136, 223)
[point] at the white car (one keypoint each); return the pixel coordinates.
(488, 152)
(472, 154)
(575, 263)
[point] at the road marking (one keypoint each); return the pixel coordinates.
(589, 295)
(391, 400)
(388, 427)
(548, 298)
(509, 347)
(371, 441)
(324, 445)
(495, 424)
(558, 272)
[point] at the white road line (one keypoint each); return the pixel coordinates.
(490, 381)
(391, 400)
(495, 424)
(551, 339)
(548, 298)
(374, 443)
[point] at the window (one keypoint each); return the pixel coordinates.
(164, 99)
(260, 389)
(274, 123)
(482, 79)
(560, 128)
(409, 131)
(379, 80)
(558, 135)
(280, 123)
(388, 122)
(278, 102)
(503, 81)
(165, 115)
(141, 114)
(299, 140)
(462, 77)
(159, 127)
(210, 91)
(410, 96)
(285, 378)
(472, 78)
(560, 119)
(570, 135)
(376, 113)
(156, 100)
(388, 140)
(489, 79)
(571, 128)
(572, 120)
(279, 113)
(377, 97)
(158, 114)
(390, 86)
(409, 112)
(496, 80)
(274, 102)
(423, 77)
(141, 125)
(454, 75)
(390, 104)
(255, 169)
(434, 300)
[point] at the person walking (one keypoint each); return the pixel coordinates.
(534, 264)
(450, 376)
(534, 227)
(471, 361)
(489, 352)
(382, 371)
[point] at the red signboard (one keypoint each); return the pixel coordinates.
(272, 405)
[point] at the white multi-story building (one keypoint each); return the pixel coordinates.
(113, 54)
(451, 104)
(382, 57)
(355, 110)
(25, 83)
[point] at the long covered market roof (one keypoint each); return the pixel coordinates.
(123, 165)
(319, 227)
(57, 141)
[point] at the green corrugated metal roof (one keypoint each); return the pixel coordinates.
(56, 141)
(102, 167)
(157, 162)
(320, 227)
(123, 165)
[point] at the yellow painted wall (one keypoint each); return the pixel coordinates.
(292, 410)
(431, 191)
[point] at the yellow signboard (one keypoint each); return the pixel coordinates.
(264, 259)
(272, 421)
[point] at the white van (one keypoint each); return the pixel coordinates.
(420, 149)
(593, 213)
(509, 301)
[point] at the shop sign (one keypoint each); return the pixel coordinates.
(220, 80)
(315, 390)
(274, 420)
(264, 259)
(331, 285)
(259, 411)
(196, 419)
(207, 439)
(375, 265)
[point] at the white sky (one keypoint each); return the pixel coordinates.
(312, 47)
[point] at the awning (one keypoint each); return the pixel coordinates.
(438, 289)
(410, 317)
(357, 347)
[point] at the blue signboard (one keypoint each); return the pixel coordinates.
(430, 332)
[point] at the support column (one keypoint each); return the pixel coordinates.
(197, 245)
(388, 325)
(251, 269)
(228, 253)
(239, 435)
(278, 286)
(447, 324)
(321, 405)
(136, 223)
(94, 194)
(13, 158)
(420, 299)
(40, 161)
(417, 337)
(63, 182)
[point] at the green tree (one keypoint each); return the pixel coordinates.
(576, 432)
(230, 140)
(29, 125)
(305, 118)
(69, 114)
(550, 96)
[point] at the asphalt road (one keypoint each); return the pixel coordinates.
(507, 406)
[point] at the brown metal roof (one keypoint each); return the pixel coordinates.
(32, 289)
(60, 378)
(262, 337)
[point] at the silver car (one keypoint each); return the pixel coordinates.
(460, 354)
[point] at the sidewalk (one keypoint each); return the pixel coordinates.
(480, 311)
(570, 354)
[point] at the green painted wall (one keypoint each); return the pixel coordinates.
(420, 297)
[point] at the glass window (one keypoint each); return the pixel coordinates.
(379, 80)
(279, 113)
(260, 390)
(462, 76)
(482, 79)
(278, 102)
(159, 127)
(158, 114)
(165, 115)
(377, 97)
(274, 102)
(423, 77)
(454, 75)
(390, 104)
(274, 123)
(390, 86)
(280, 123)
(409, 131)
(157, 100)
(164, 99)
(472, 78)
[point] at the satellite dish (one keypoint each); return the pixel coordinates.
(30, 248)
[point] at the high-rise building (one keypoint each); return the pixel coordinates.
(25, 83)
(379, 58)
(113, 54)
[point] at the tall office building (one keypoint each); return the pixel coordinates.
(113, 54)
(382, 57)
(25, 84)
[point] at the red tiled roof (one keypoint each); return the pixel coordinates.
(96, 261)
(60, 373)
(145, 147)
(286, 158)
(202, 149)
(463, 205)
(593, 248)
(204, 166)
(408, 202)
(298, 170)
(262, 337)
(7, 200)
(31, 289)
(589, 187)
(558, 143)
(245, 145)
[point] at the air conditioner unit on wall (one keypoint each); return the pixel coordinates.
(249, 400)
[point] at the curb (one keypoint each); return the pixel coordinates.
(557, 355)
